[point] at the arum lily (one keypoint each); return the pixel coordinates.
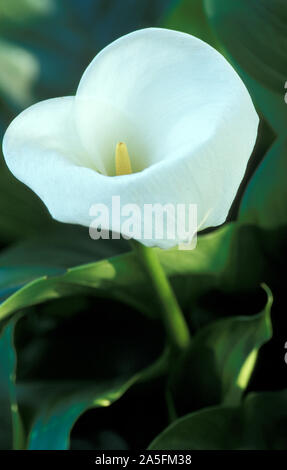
(159, 117)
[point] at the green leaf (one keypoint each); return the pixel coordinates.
(258, 424)
(64, 368)
(11, 429)
(56, 417)
(218, 365)
(259, 58)
(217, 262)
(265, 199)
(13, 279)
(70, 363)
(50, 254)
(22, 214)
(63, 247)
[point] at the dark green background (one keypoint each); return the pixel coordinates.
(82, 339)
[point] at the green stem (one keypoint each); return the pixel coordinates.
(172, 316)
(172, 415)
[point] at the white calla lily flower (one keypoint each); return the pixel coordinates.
(178, 106)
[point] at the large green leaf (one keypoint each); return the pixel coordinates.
(12, 279)
(254, 36)
(217, 262)
(50, 254)
(218, 365)
(65, 368)
(64, 247)
(265, 200)
(264, 205)
(258, 424)
(63, 403)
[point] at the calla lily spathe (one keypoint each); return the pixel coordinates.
(183, 112)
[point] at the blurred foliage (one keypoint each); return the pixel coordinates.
(83, 360)
(264, 202)
(258, 57)
(190, 17)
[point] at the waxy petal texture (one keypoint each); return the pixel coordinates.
(185, 115)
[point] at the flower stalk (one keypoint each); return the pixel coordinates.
(171, 314)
